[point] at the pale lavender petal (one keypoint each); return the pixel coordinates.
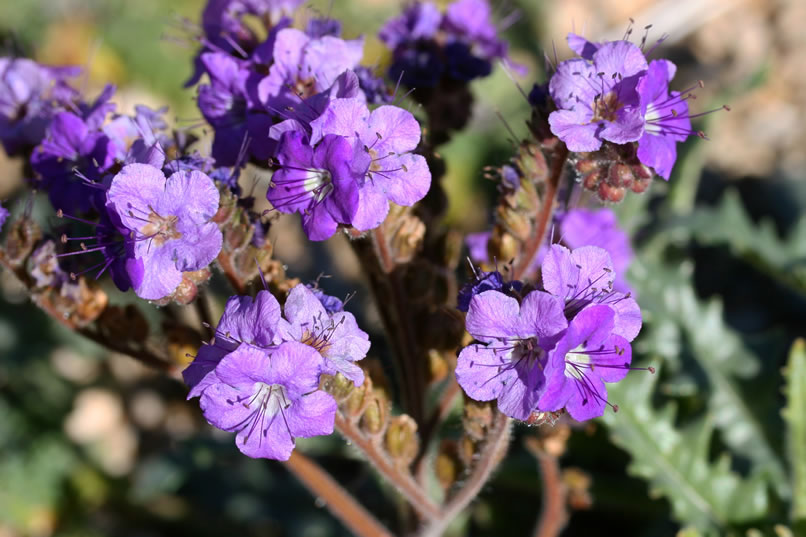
(313, 415)
(575, 129)
(493, 315)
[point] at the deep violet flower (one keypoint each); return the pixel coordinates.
(330, 303)
(268, 398)
(30, 94)
(71, 160)
(427, 44)
(3, 216)
(667, 118)
(224, 104)
(597, 100)
(317, 182)
(383, 141)
(508, 364)
(169, 221)
(486, 281)
(588, 355)
(336, 336)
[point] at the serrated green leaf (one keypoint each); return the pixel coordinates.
(756, 243)
(669, 296)
(703, 494)
(795, 418)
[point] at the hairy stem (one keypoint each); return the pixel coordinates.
(553, 515)
(430, 427)
(397, 475)
(490, 455)
(390, 299)
(337, 500)
(530, 248)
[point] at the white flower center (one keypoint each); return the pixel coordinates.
(580, 360)
(269, 399)
(318, 182)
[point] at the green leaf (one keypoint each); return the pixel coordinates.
(795, 418)
(703, 494)
(670, 301)
(756, 243)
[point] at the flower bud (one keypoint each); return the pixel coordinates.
(373, 420)
(402, 442)
(448, 465)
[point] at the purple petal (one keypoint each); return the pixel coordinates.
(313, 415)
(484, 372)
(582, 46)
(493, 315)
(541, 314)
(392, 129)
(559, 272)
(575, 129)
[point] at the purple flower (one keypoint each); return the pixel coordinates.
(486, 281)
(330, 303)
(335, 336)
(3, 216)
(589, 354)
(320, 27)
(477, 246)
(169, 220)
(599, 227)
(317, 182)
(584, 277)
(304, 66)
(597, 100)
(383, 140)
(29, 96)
(419, 21)
(71, 160)
(245, 321)
(427, 45)
(667, 118)
(471, 22)
(268, 398)
(373, 87)
(225, 106)
(508, 364)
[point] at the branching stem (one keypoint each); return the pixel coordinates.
(397, 475)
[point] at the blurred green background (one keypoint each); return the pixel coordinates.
(93, 444)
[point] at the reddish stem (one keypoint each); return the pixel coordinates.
(337, 500)
(491, 454)
(553, 516)
(397, 475)
(531, 247)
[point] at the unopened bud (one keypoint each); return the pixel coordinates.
(402, 442)
(447, 465)
(339, 386)
(374, 418)
(610, 193)
(620, 175)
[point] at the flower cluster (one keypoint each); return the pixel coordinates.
(297, 102)
(428, 45)
(30, 96)
(347, 165)
(260, 376)
(611, 93)
(551, 348)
